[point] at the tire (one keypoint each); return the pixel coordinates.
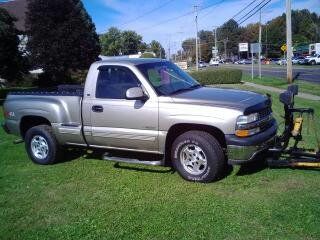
(41, 145)
(313, 63)
(189, 151)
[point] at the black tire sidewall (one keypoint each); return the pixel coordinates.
(212, 169)
(44, 132)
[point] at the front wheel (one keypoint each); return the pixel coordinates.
(198, 157)
(41, 145)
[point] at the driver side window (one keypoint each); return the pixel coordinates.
(114, 81)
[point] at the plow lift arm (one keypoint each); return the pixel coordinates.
(281, 155)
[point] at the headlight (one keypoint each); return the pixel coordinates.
(245, 119)
(243, 128)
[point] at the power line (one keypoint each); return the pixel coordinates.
(255, 12)
(250, 11)
(244, 9)
(147, 13)
(182, 15)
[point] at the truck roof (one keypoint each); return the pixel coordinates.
(129, 61)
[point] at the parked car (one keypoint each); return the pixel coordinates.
(228, 61)
(282, 61)
(297, 60)
(202, 64)
(244, 61)
(214, 62)
(312, 60)
(149, 106)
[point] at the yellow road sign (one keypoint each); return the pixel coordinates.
(284, 47)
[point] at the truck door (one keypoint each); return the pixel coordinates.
(117, 122)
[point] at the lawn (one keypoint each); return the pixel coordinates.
(306, 87)
(88, 198)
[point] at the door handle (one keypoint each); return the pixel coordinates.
(97, 108)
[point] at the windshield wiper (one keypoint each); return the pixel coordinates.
(186, 89)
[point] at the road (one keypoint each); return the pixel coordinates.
(306, 73)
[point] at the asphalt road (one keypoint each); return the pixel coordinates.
(305, 73)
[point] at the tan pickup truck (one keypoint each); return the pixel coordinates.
(149, 106)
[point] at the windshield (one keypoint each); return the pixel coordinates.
(167, 78)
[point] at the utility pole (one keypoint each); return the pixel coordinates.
(259, 55)
(180, 42)
(266, 40)
(289, 41)
(215, 42)
(225, 41)
(215, 38)
(197, 49)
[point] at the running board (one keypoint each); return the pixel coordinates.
(108, 157)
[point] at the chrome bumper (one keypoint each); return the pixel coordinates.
(244, 150)
(244, 154)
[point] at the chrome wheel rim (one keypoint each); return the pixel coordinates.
(193, 159)
(39, 147)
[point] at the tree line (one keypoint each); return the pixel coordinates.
(305, 30)
(62, 41)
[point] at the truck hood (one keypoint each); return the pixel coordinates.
(245, 101)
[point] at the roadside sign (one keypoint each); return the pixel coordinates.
(254, 47)
(183, 65)
(284, 48)
(243, 47)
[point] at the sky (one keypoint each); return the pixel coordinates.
(158, 19)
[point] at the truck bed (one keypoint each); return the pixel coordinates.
(61, 106)
(61, 90)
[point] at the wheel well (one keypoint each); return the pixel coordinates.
(178, 129)
(28, 122)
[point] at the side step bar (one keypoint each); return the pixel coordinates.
(109, 157)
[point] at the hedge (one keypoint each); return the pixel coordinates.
(217, 76)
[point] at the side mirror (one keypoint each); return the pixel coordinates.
(136, 93)
(286, 98)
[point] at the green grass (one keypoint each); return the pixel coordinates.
(92, 199)
(306, 87)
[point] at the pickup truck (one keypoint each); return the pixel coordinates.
(149, 106)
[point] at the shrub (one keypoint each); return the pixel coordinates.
(217, 76)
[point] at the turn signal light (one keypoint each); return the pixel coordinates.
(247, 132)
(242, 133)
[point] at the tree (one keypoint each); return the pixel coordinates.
(207, 42)
(111, 42)
(157, 48)
(229, 31)
(11, 61)
(115, 42)
(62, 38)
(189, 47)
(131, 42)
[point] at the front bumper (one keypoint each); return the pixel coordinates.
(244, 150)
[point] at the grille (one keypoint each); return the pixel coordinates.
(264, 113)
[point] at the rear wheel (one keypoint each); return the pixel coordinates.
(198, 157)
(41, 145)
(313, 63)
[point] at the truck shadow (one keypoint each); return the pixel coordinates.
(251, 168)
(75, 153)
